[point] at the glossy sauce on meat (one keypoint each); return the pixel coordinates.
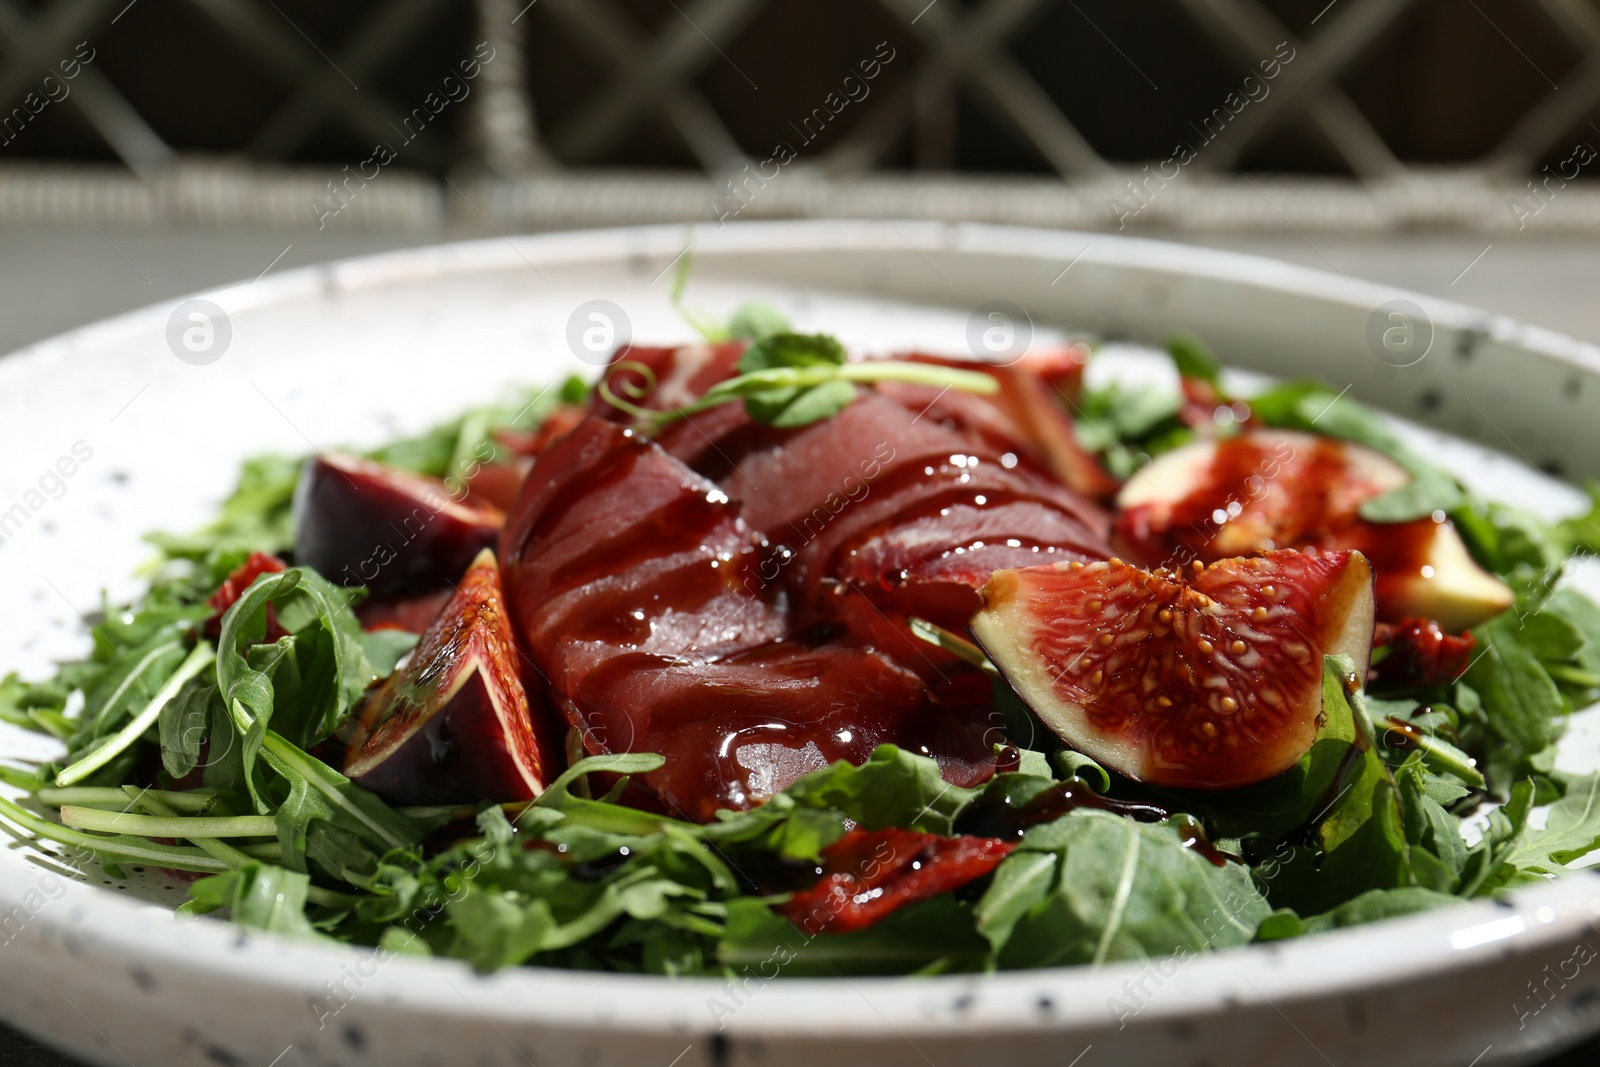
(637, 590)
(880, 514)
(735, 596)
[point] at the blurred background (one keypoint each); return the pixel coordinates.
(150, 148)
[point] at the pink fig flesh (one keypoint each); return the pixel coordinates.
(454, 725)
(1209, 679)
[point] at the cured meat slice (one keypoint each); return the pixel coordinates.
(738, 730)
(709, 441)
(1027, 416)
(881, 504)
(672, 377)
(638, 592)
(615, 546)
(904, 503)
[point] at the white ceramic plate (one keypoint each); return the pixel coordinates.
(356, 352)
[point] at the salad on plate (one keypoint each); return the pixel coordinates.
(754, 658)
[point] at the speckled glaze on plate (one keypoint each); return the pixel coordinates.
(358, 351)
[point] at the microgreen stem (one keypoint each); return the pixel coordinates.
(893, 370)
(233, 857)
(1439, 754)
(191, 827)
(136, 850)
(18, 778)
(200, 658)
(761, 381)
(84, 796)
(1573, 676)
(951, 642)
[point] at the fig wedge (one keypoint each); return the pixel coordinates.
(1270, 489)
(454, 725)
(361, 523)
(1210, 679)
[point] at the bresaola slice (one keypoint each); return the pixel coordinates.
(454, 725)
(882, 514)
(1027, 417)
(737, 730)
(616, 547)
(672, 378)
(637, 590)
(362, 523)
(1211, 679)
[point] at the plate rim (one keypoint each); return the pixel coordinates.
(1548, 913)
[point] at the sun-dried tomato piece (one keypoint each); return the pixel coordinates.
(233, 587)
(1421, 653)
(869, 874)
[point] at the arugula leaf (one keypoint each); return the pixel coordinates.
(1571, 832)
(1582, 671)
(318, 792)
(1070, 764)
(1520, 701)
(1488, 869)
(184, 723)
(603, 814)
(1128, 425)
(932, 936)
(892, 788)
(260, 897)
(1194, 360)
(256, 517)
(1360, 834)
(1092, 887)
(493, 930)
(1437, 852)
(128, 682)
(108, 748)
(385, 649)
(452, 449)
(1581, 533)
(1376, 905)
(306, 684)
(756, 320)
(1324, 779)
(1514, 543)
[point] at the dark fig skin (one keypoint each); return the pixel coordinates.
(497, 484)
(455, 724)
(412, 614)
(361, 523)
(457, 756)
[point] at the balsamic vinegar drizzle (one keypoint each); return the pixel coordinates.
(998, 816)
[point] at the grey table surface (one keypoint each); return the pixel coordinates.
(52, 279)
